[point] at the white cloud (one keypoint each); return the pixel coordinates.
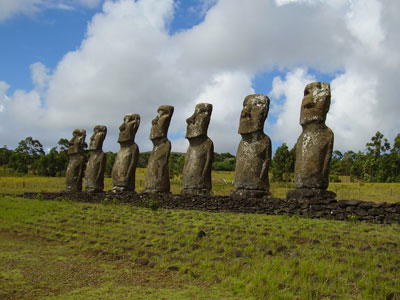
(286, 97)
(11, 8)
(352, 110)
(40, 75)
(3, 96)
(129, 63)
(226, 92)
(202, 7)
(364, 22)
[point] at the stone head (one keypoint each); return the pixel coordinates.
(197, 124)
(97, 139)
(128, 129)
(254, 112)
(316, 102)
(77, 143)
(161, 122)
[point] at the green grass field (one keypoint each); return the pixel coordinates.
(222, 185)
(68, 250)
(71, 250)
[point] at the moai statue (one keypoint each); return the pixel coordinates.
(253, 156)
(124, 168)
(76, 165)
(157, 174)
(196, 175)
(314, 145)
(96, 166)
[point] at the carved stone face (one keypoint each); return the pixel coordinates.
(77, 143)
(316, 102)
(128, 129)
(97, 139)
(161, 122)
(254, 112)
(197, 124)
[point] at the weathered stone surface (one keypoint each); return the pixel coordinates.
(96, 166)
(347, 203)
(314, 145)
(254, 152)
(311, 195)
(76, 165)
(196, 175)
(157, 174)
(124, 168)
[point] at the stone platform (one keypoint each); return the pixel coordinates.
(313, 208)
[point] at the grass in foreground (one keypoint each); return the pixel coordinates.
(90, 251)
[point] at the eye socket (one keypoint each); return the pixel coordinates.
(309, 105)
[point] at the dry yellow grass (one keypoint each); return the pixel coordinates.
(222, 185)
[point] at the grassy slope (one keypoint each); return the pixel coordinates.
(222, 185)
(89, 251)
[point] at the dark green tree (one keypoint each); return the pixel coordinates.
(336, 163)
(378, 145)
(27, 152)
(110, 159)
(347, 163)
(283, 163)
(175, 164)
(63, 144)
(396, 145)
(143, 159)
(223, 162)
(5, 156)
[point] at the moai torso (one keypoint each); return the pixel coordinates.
(253, 157)
(196, 174)
(313, 155)
(124, 168)
(76, 165)
(157, 173)
(315, 144)
(96, 165)
(252, 161)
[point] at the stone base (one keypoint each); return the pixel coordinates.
(196, 192)
(120, 189)
(242, 193)
(310, 194)
(154, 191)
(72, 189)
(93, 190)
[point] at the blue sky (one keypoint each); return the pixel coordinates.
(45, 37)
(77, 63)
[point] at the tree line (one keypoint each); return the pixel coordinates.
(380, 162)
(29, 157)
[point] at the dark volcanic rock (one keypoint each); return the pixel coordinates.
(377, 213)
(142, 261)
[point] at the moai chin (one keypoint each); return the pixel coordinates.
(96, 166)
(124, 168)
(76, 165)
(314, 145)
(157, 173)
(196, 174)
(253, 156)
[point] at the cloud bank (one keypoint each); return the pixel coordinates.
(128, 62)
(11, 8)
